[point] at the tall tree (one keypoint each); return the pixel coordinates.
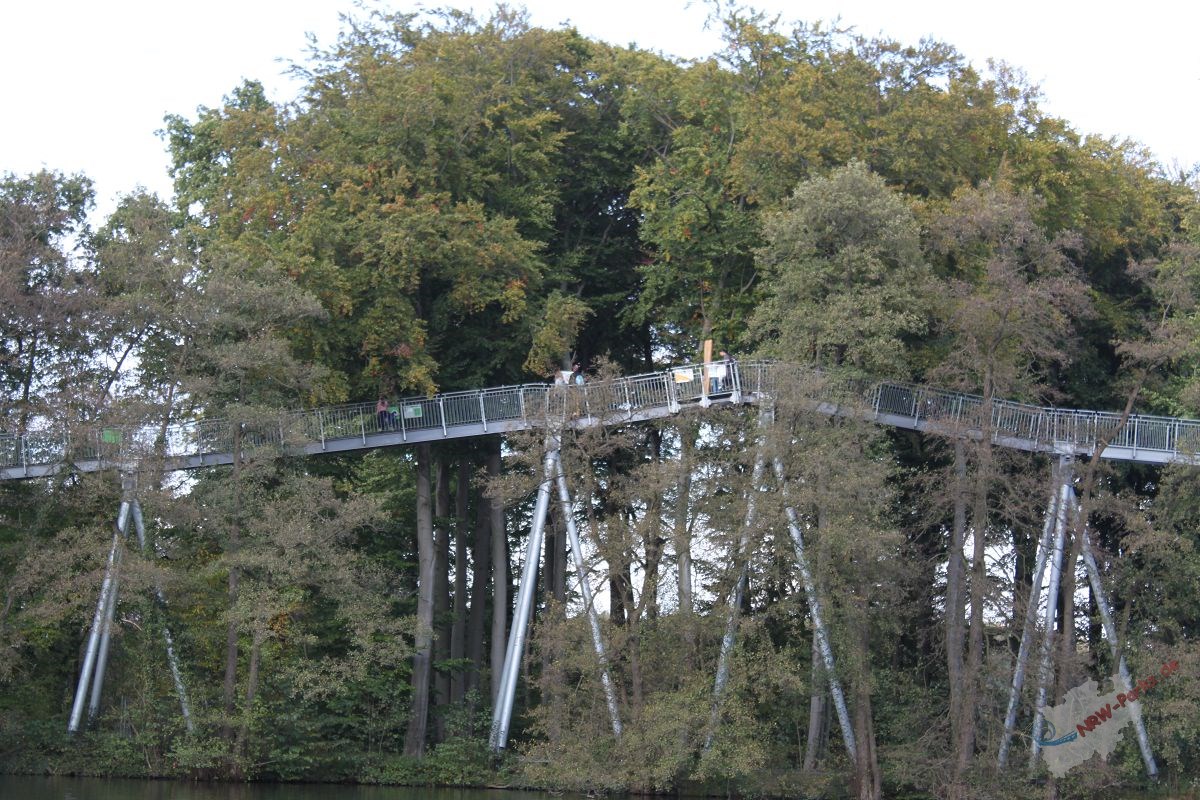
(1014, 295)
(43, 330)
(851, 288)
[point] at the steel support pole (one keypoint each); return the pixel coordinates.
(820, 633)
(109, 613)
(502, 713)
(139, 526)
(1031, 607)
(1046, 671)
(110, 607)
(735, 600)
(585, 588)
(1110, 631)
(93, 644)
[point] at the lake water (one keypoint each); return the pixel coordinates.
(19, 787)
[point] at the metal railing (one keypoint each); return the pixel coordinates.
(507, 408)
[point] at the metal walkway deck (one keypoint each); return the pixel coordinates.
(191, 445)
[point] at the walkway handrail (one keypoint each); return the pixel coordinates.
(505, 408)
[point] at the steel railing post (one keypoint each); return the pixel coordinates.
(672, 392)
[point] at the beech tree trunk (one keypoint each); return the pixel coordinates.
(955, 596)
(817, 709)
(654, 538)
(680, 534)
(499, 576)
(414, 739)
(458, 627)
(965, 742)
(619, 581)
(251, 693)
(441, 593)
(231, 627)
(481, 567)
(868, 780)
(1066, 624)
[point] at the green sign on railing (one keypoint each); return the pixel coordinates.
(110, 436)
(413, 412)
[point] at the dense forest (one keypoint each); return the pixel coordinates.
(453, 203)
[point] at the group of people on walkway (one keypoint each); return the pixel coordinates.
(386, 415)
(574, 377)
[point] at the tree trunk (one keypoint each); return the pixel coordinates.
(231, 626)
(978, 588)
(955, 596)
(868, 781)
(458, 628)
(499, 575)
(553, 682)
(26, 387)
(481, 567)
(1095, 640)
(559, 587)
(441, 594)
(654, 538)
(554, 583)
(680, 533)
(817, 709)
(1025, 548)
(619, 580)
(1066, 623)
(251, 693)
(414, 739)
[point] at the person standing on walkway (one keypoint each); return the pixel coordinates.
(382, 415)
(727, 366)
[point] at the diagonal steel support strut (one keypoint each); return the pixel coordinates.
(502, 712)
(1031, 607)
(1046, 668)
(585, 588)
(820, 633)
(735, 599)
(101, 625)
(1110, 632)
(139, 527)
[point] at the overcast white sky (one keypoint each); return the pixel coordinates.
(86, 83)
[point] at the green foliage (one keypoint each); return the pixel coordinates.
(851, 288)
(463, 759)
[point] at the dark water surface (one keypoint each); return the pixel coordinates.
(19, 787)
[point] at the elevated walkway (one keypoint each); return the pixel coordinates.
(506, 409)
